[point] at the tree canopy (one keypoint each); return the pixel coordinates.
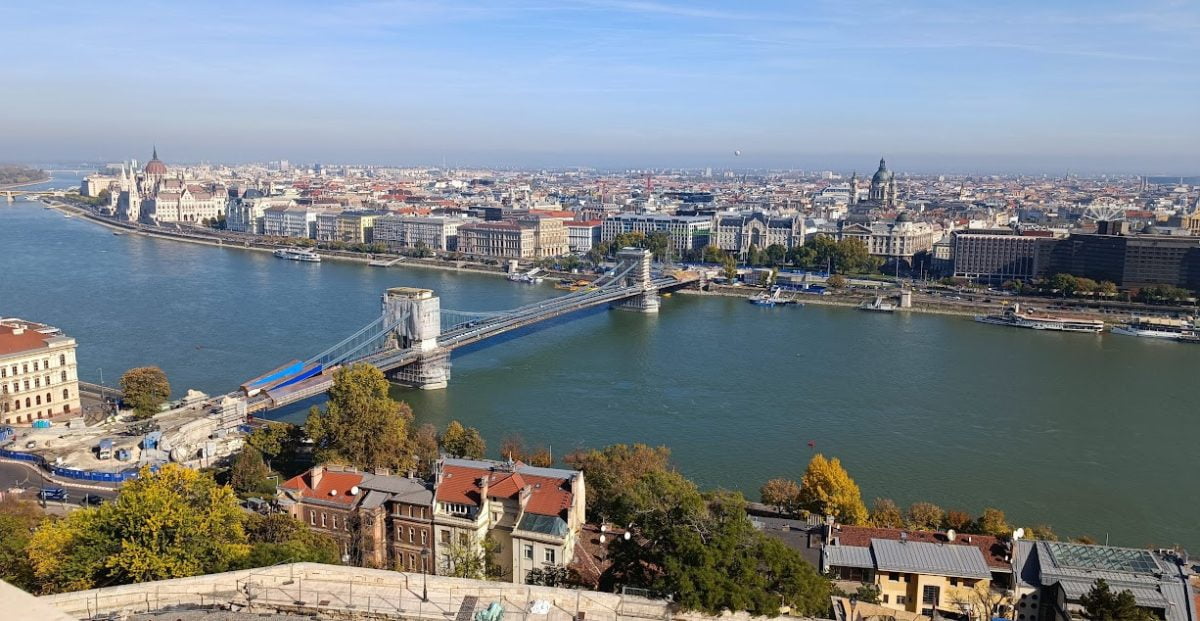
(612, 473)
(172, 523)
(145, 390)
(827, 488)
(361, 425)
(1102, 604)
(462, 441)
(783, 494)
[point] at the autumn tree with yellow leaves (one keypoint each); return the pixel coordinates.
(827, 488)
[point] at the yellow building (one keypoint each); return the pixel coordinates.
(356, 227)
(942, 573)
(38, 379)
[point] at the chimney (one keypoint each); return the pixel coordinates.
(314, 476)
(382, 472)
(524, 496)
(483, 489)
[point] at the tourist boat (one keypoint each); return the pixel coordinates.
(1014, 317)
(1155, 328)
(529, 278)
(878, 306)
(291, 254)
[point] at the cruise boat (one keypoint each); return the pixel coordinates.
(878, 306)
(774, 297)
(1014, 317)
(530, 278)
(1155, 328)
(293, 254)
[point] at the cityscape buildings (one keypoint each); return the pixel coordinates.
(38, 376)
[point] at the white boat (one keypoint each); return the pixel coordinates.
(1156, 328)
(774, 297)
(878, 306)
(1013, 317)
(292, 254)
(530, 278)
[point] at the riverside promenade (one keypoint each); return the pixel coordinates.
(339, 592)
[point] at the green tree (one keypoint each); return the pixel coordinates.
(1041, 532)
(826, 488)
(475, 560)
(555, 576)
(612, 473)
(958, 520)
(18, 519)
(425, 449)
(868, 593)
(1064, 284)
(885, 514)
(462, 441)
(837, 281)
(249, 472)
(361, 425)
(277, 442)
(659, 244)
(172, 523)
(713, 254)
(1106, 288)
(993, 523)
(776, 255)
(851, 255)
(925, 516)
(783, 494)
(1102, 604)
(279, 538)
(145, 390)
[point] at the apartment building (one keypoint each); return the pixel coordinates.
(378, 519)
(900, 239)
(289, 221)
(549, 234)
(435, 232)
(246, 215)
(534, 514)
(38, 375)
(356, 227)
(582, 235)
(735, 233)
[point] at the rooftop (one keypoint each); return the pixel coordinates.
(18, 335)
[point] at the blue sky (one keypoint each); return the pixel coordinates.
(955, 86)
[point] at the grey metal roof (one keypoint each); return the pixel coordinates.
(373, 499)
(848, 556)
(929, 558)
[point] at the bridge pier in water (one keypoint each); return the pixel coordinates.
(639, 276)
(416, 313)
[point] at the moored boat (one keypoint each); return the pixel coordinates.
(878, 306)
(1157, 328)
(1014, 317)
(293, 254)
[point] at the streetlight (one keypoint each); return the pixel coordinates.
(424, 577)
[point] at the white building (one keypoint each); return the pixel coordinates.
(246, 215)
(38, 377)
(686, 232)
(893, 240)
(435, 232)
(582, 235)
(282, 221)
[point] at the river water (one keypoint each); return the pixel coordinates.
(1091, 434)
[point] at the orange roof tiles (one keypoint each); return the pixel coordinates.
(341, 482)
(995, 551)
(29, 339)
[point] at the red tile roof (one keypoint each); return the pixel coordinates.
(548, 495)
(30, 339)
(341, 482)
(995, 551)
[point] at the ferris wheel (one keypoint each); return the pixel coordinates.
(1105, 210)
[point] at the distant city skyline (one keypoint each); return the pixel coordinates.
(1095, 87)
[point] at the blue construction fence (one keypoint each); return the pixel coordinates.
(70, 473)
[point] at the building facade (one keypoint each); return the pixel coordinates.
(534, 515)
(434, 232)
(686, 232)
(582, 235)
(378, 519)
(293, 221)
(549, 235)
(736, 233)
(506, 240)
(994, 257)
(892, 240)
(38, 375)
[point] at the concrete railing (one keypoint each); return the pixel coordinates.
(350, 593)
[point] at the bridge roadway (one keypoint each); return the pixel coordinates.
(472, 332)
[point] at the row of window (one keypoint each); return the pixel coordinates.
(412, 535)
(312, 520)
(45, 366)
(548, 554)
(35, 401)
(37, 383)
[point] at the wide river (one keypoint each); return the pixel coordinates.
(1091, 434)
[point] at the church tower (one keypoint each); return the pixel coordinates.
(853, 188)
(880, 182)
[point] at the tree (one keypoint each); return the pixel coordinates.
(249, 472)
(958, 520)
(826, 488)
(280, 538)
(145, 390)
(1063, 283)
(1042, 532)
(1106, 288)
(276, 441)
(776, 255)
(993, 523)
(837, 281)
(982, 600)
(462, 441)
(885, 514)
(555, 576)
(361, 425)
(925, 516)
(473, 559)
(613, 472)
(1101, 604)
(425, 449)
(172, 523)
(783, 494)
(868, 593)
(18, 519)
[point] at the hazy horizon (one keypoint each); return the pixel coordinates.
(1023, 88)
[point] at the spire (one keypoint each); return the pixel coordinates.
(882, 164)
(155, 154)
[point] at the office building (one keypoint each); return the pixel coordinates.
(686, 232)
(38, 375)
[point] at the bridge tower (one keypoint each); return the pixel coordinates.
(639, 276)
(416, 315)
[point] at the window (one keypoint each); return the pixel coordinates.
(901, 600)
(412, 561)
(66, 394)
(66, 408)
(312, 517)
(322, 519)
(424, 536)
(64, 376)
(954, 582)
(334, 522)
(35, 365)
(412, 534)
(446, 537)
(462, 539)
(550, 555)
(884, 598)
(930, 595)
(38, 399)
(37, 382)
(62, 360)
(529, 552)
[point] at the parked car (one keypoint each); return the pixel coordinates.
(52, 493)
(91, 500)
